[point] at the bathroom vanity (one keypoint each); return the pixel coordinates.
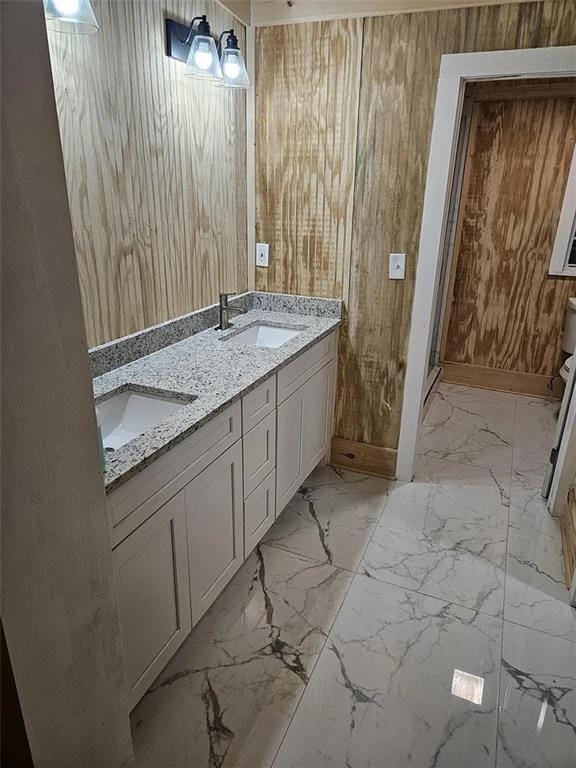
(189, 500)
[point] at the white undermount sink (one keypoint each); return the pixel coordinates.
(131, 413)
(263, 336)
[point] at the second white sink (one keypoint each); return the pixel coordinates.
(263, 336)
(129, 414)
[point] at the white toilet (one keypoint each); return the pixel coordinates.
(569, 338)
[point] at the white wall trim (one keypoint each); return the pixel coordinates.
(269, 13)
(565, 232)
(455, 71)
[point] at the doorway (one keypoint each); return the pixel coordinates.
(500, 315)
(455, 72)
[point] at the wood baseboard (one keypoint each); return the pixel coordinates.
(503, 381)
(361, 457)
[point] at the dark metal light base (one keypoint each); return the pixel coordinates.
(176, 33)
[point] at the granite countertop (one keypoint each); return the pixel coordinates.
(216, 372)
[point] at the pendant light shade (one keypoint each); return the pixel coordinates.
(74, 17)
(202, 62)
(234, 74)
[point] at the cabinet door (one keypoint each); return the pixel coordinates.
(154, 597)
(215, 524)
(289, 460)
(317, 418)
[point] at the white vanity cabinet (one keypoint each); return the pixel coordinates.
(304, 419)
(215, 527)
(153, 594)
(183, 526)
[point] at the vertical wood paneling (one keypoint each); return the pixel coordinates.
(506, 311)
(155, 168)
(296, 131)
(306, 105)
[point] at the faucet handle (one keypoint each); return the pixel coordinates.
(224, 296)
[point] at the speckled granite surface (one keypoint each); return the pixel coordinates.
(122, 351)
(203, 365)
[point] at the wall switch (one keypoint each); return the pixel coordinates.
(262, 254)
(397, 266)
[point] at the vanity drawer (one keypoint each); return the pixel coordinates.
(143, 494)
(258, 404)
(259, 447)
(300, 370)
(259, 512)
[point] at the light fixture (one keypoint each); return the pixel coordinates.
(71, 16)
(196, 47)
(205, 59)
(234, 72)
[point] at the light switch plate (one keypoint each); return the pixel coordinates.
(262, 254)
(397, 266)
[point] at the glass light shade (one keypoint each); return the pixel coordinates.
(234, 74)
(75, 17)
(203, 62)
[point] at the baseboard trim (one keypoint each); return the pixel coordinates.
(365, 458)
(503, 381)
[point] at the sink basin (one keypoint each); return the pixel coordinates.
(130, 413)
(264, 336)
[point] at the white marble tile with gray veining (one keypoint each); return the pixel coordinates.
(534, 427)
(537, 722)
(536, 593)
(403, 680)
(445, 535)
(331, 517)
(471, 426)
(226, 698)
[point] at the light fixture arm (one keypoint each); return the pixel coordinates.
(231, 42)
(203, 29)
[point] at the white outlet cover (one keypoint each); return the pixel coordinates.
(262, 250)
(397, 266)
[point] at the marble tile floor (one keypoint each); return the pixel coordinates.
(389, 625)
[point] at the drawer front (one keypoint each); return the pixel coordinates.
(153, 595)
(141, 496)
(300, 370)
(257, 404)
(259, 447)
(259, 512)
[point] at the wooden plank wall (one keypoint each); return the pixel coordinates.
(400, 57)
(506, 312)
(155, 168)
(308, 78)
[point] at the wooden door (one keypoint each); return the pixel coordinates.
(154, 596)
(215, 524)
(506, 312)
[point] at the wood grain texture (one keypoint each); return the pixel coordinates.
(520, 383)
(306, 105)
(401, 59)
(359, 457)
(306, 116)
(506, 312)
(155, 169)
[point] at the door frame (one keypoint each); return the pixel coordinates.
(456, 69)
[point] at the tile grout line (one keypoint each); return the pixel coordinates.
(329, 631)
(499, 697)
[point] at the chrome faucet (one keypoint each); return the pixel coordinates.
(226, 309)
